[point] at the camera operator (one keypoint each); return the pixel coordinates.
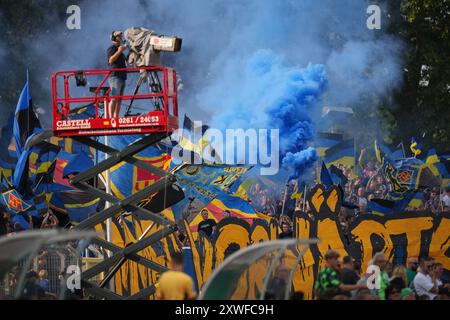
(116, 59)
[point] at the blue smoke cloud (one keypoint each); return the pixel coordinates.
(264, 92)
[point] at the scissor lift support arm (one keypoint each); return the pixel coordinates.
(120, 255)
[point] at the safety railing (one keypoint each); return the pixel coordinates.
(81, 99)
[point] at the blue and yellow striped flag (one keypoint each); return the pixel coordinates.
(341, 154)
(326, 140)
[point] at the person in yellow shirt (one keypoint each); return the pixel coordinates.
(175, 284)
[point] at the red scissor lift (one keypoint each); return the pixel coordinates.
(66, 124)
(79, 112)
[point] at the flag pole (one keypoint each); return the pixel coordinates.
(355, 172)
(30, 107)
(403, 149)
(304, 199)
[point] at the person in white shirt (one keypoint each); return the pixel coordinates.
(426, 281)
(362, 200)
(446, 198)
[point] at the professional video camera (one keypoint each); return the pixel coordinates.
(145, 46)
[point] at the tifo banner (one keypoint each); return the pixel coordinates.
(399, 235)
(207, 181)
(204, 183)
(236, 206)
(133, 277)
(411, 235)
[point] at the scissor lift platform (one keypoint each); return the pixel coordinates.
(80, 111)
(78, 103)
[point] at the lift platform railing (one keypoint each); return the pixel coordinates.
(86, 114)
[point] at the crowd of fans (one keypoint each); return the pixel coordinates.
(370, 184)
(341, 280)
(47, 220)
(41, 281)
(420, 279)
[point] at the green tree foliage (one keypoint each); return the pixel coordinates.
(422, 105)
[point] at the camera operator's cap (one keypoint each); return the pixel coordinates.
(116, 33)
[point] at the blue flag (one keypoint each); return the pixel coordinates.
(26, 121)
(325, 177)
(8, 158)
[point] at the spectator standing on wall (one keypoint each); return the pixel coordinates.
(207, 225)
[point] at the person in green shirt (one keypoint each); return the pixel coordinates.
(379, 259)
(329, 283)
